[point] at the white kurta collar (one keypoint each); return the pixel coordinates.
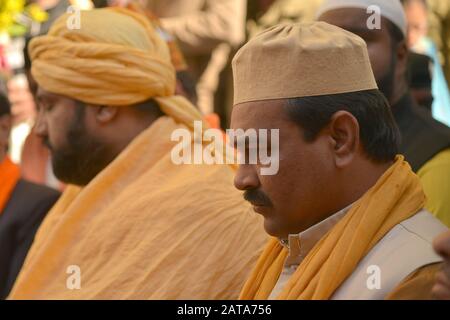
(300, 244)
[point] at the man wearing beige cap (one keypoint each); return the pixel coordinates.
(425, 142)
(345, 211)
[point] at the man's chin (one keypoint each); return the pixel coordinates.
(273, 228)
(68, 174)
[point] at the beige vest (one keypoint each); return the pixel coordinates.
(406, 248)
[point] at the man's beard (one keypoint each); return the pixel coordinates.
(82, 158)
(387, 81)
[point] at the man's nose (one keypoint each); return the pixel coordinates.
(246, 177)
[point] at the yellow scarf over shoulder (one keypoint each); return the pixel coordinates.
(395, 197)
(143, 228)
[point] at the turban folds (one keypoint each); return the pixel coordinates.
(114, 58)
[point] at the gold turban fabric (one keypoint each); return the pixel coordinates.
(115, 57)
(300, 60)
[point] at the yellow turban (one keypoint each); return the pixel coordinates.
(114, 58)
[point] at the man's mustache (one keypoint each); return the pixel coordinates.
(257, 197)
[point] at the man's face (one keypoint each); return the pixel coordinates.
(77, 154)
(293, 199)
(417, 16)
(379, 43)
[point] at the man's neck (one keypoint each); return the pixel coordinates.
(356, 183)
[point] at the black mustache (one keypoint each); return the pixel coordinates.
(257, 197)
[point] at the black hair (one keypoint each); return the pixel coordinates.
(5, 105)
(379, 133)
(149, 107)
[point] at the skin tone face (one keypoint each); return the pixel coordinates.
(292, 200)
(5, 129)
(416, 14)
(62, 126)
(389, 64)
(84, 139)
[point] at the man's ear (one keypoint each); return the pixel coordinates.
(105, 114)
(344, 133)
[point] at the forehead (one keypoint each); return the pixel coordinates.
(354, 20)
(43, 95)
(259, 115)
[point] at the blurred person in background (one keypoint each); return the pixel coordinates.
(419, 66)
(419, 42)
(263, 14)
(207, 31)
(425, 141)
(23, 205)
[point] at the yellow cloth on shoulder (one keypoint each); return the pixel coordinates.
(146, 228)
(396, 196)
(434, 176)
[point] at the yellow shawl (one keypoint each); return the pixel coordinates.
(145, 228)
(395, 197)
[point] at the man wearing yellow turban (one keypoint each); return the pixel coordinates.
(345, 211)
(131, 224)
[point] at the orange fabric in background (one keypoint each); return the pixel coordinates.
(9, 176)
